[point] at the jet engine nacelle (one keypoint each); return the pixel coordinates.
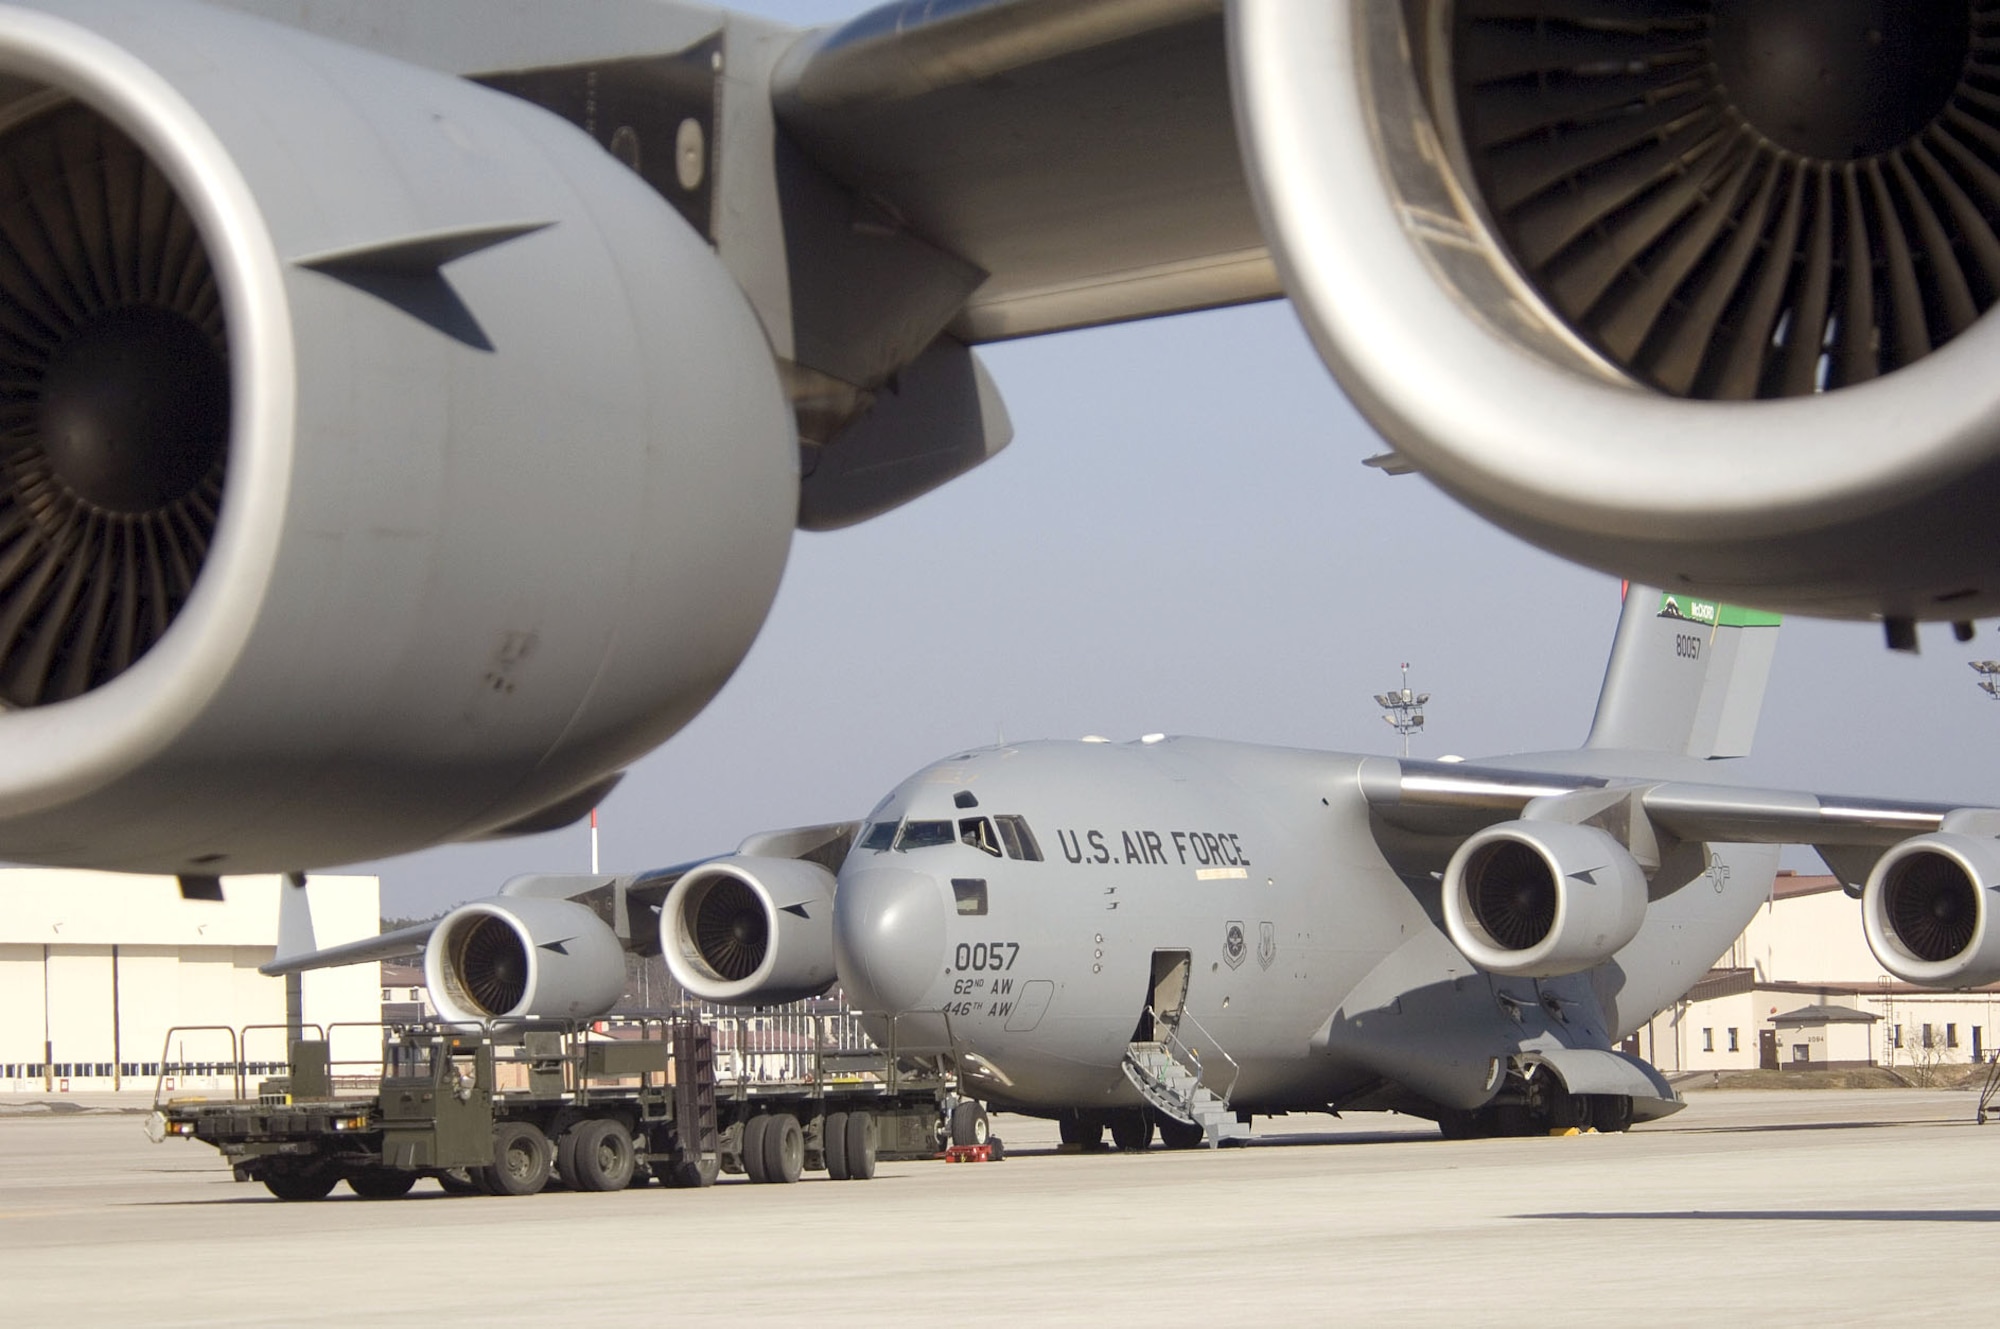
(1926, 912)
(1697, 295)
(1541, 899)
(751, 931)
(513, 958)
(385, 462)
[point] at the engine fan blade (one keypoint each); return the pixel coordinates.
(1723, 223)
(730, 930)
(114, 405)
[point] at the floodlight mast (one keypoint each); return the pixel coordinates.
(1403, 709)
(1989, 676)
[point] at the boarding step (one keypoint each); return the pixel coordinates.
(1175, 1089)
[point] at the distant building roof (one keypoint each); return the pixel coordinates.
(1807, 1017)
(1723, 983)
(1790, 884)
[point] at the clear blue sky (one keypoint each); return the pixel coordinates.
(1182, 539)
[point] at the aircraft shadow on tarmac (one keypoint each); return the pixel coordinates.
(1775, 1127)
(1789, 1216)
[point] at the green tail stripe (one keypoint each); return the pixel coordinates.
(1712, 614)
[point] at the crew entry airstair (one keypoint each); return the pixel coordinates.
(1167, 1071)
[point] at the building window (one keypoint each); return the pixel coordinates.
(1951, 1035)
(1928, 1042)
(1895, 1035)
(1708, 1040)
(1732, 1041)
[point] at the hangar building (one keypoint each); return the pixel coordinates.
(96, 967)
(1801, 990)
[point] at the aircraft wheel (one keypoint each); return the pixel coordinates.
(754, 1129)
(1181, 1134)
(784, 1149)
(381, 1183)
(521, 1160)
(602, 1158)
(1611, 1113)
(969, 1124)
(1562, 1110)
(302, 1184)
(1132, 1130)
(833, 1144)
(861, 1144)
(1084, 1132)
(1457, 1124)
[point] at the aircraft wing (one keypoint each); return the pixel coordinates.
(1559, 859)
(628, 904)
(389, 946)
(1441, 801)
(1081, 153)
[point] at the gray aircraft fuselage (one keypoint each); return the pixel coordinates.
(1318, 969)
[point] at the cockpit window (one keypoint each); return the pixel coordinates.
(1020, 841)
(978, 832)
(880, 836)
(924, 834)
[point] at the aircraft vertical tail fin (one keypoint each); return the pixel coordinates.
(1686, 675)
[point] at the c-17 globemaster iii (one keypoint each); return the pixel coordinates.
(1182, 932)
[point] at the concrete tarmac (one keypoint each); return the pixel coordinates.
(1831, 1208)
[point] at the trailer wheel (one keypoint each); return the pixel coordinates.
(520, 1160)
(381, 1183)
(457, 1181)
(969, 1124)
(693, 1172)
(784, 1149)
(601, 1157)
(1132, 1130)
(861, 1143)
(301, 1184)
(564, 1169)
(833, 1144)
(753, 1147)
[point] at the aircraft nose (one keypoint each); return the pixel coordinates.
(888, 937)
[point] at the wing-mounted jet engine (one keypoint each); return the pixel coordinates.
(1540, 899)
(1927, 910)
(384, 462)
(518, 957)
(751, 930)
(1691, 292)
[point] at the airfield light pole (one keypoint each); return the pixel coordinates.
(1402, 709)
(1989, 676)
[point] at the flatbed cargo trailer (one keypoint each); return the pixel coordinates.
(594, 1107)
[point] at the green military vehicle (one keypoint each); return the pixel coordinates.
(596, 1107)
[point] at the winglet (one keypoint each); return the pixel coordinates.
(295, 923)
